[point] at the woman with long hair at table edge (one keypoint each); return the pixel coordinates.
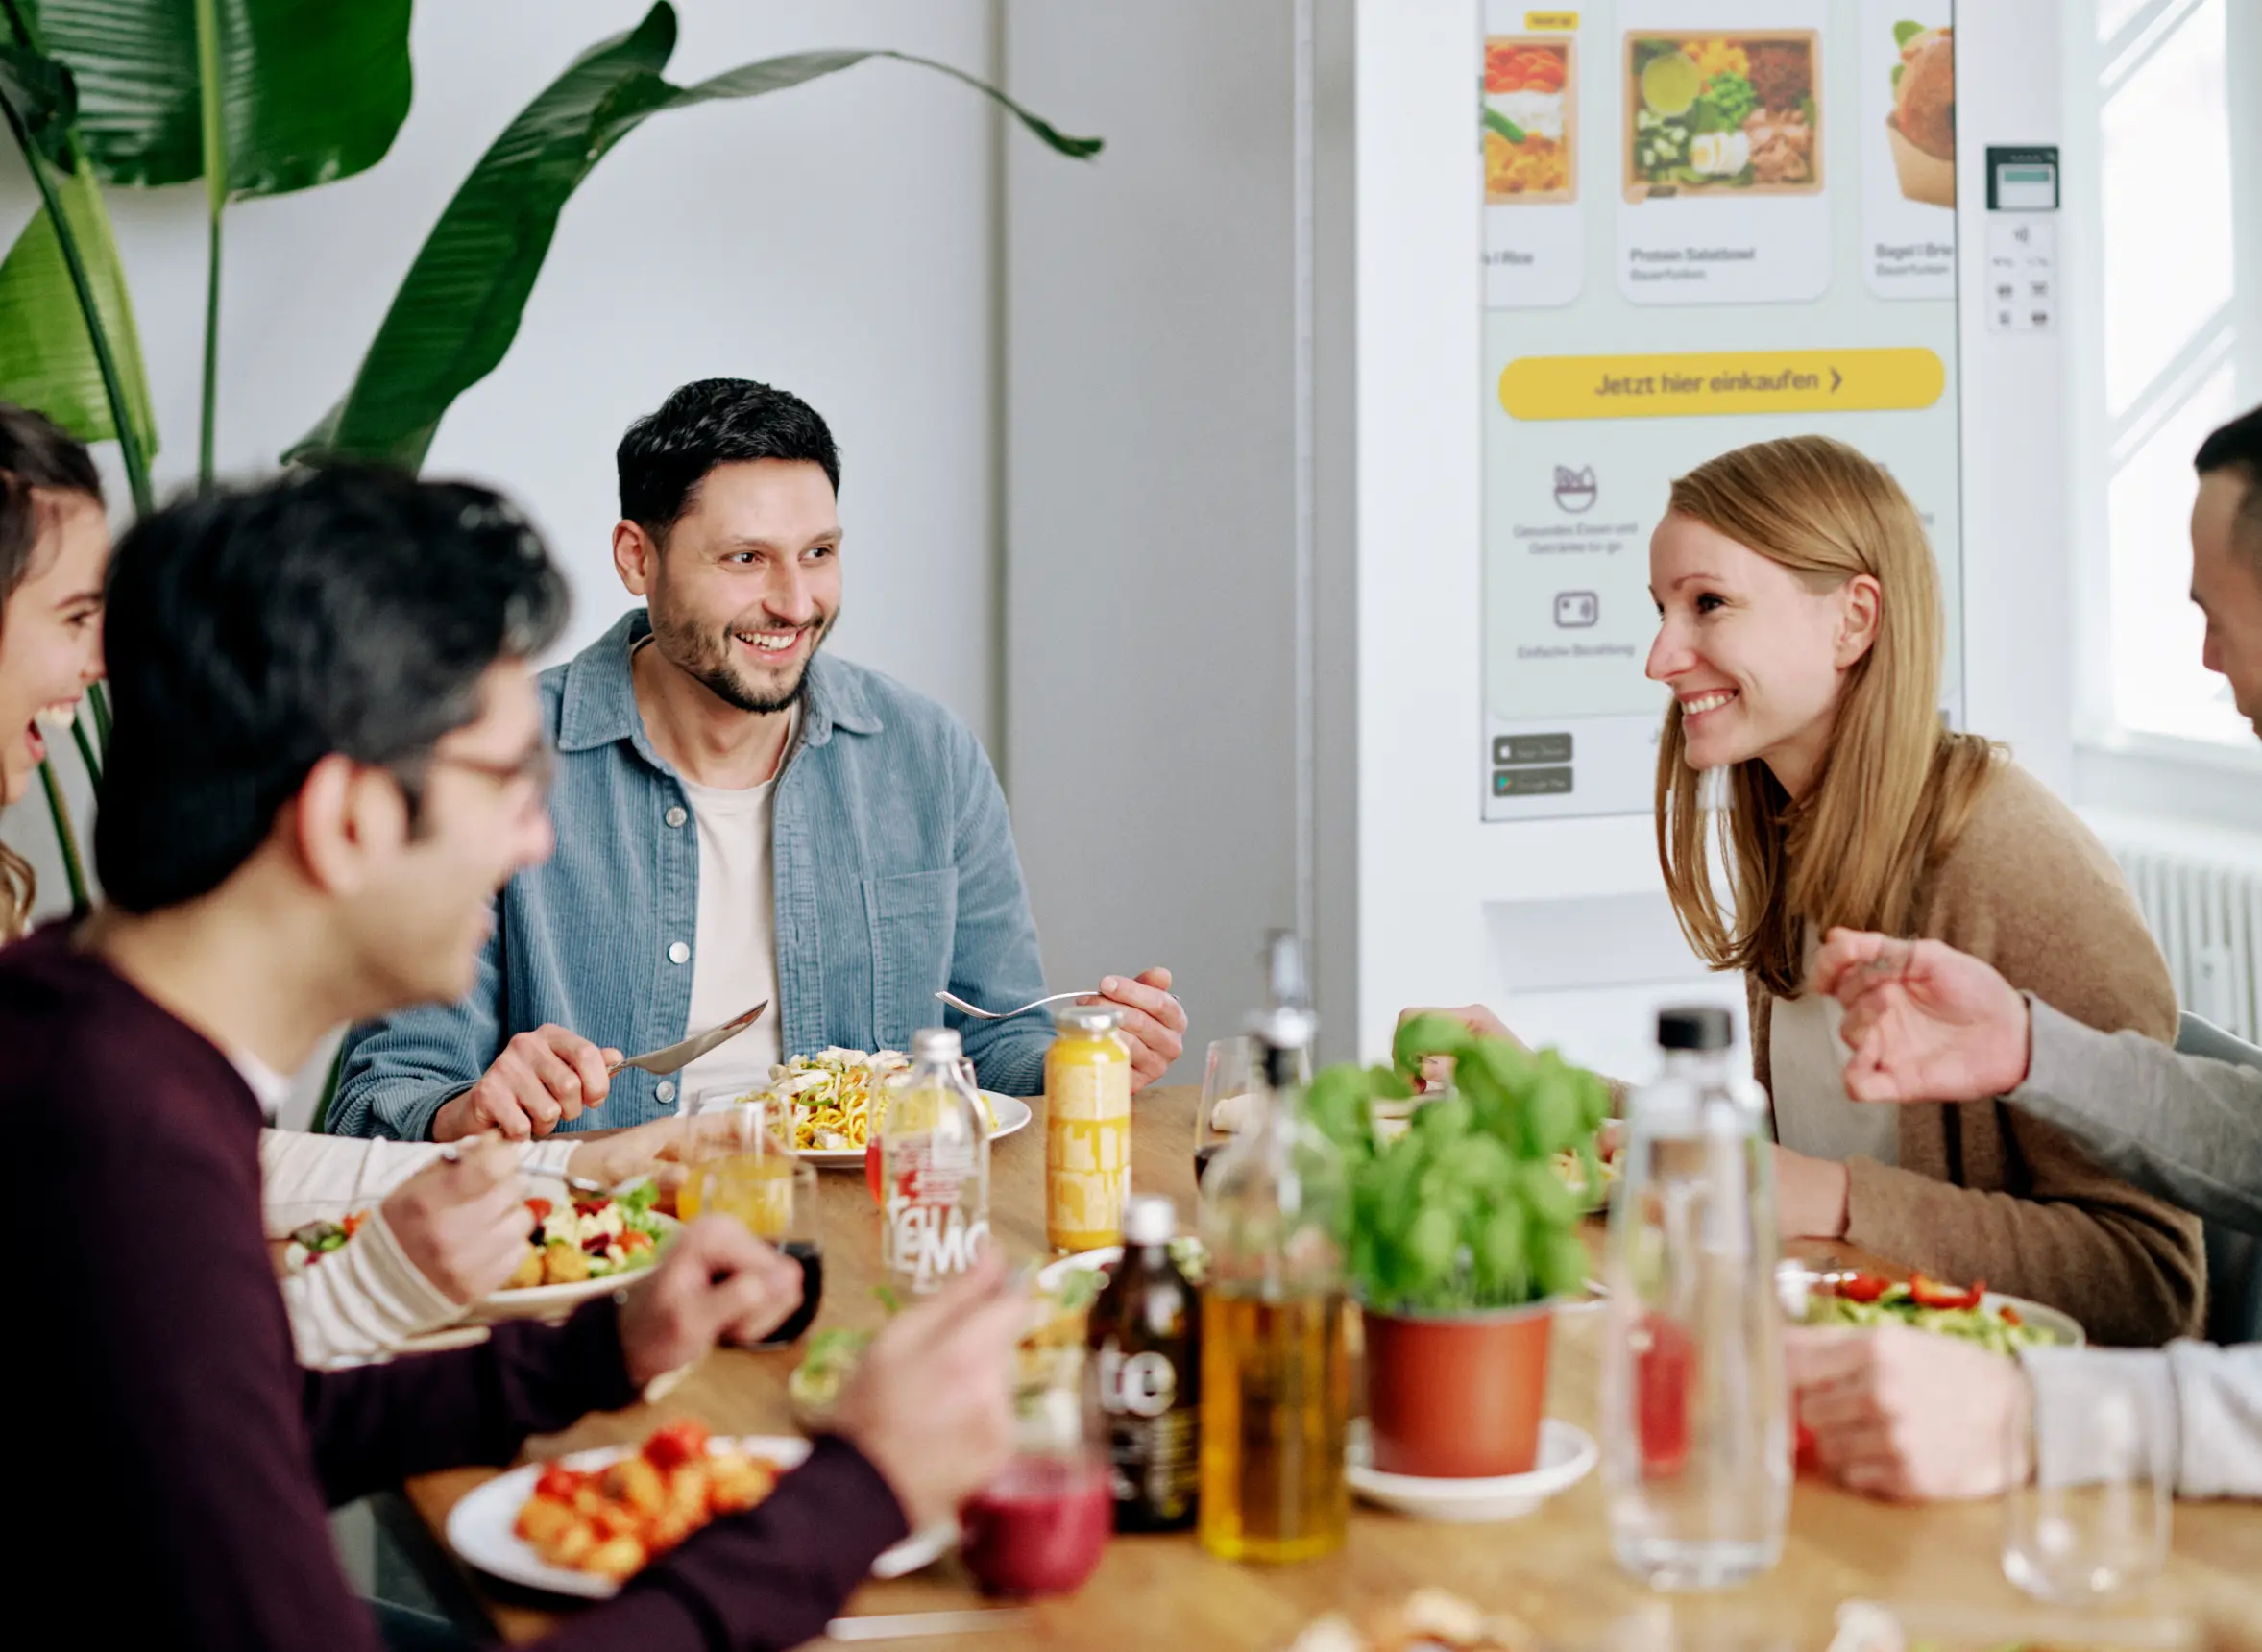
(1801, 635)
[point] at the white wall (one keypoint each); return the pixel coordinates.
(1149, 474)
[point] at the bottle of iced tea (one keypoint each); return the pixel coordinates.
(1088, 1129)
(1146, 1359)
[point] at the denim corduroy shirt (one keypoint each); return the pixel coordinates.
(895, 875)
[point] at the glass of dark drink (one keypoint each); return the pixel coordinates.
(1228, 1087)
(1041, 1525)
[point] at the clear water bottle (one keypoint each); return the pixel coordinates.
(1696, 1452)
(933, 1165)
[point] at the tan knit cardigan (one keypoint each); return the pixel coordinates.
(1983, 1191)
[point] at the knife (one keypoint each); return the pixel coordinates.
(890, 1626)
(676, 1057)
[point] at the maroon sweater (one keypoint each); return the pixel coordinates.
(160, 1427)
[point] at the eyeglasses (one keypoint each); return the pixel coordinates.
(538, 768)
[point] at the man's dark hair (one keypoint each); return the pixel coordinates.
(2237, 447)
(252, 632)
(37, 455)
(666, 454)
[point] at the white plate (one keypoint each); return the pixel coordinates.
(1050, 1275)
(1566, 1455)
(479, 1527)
(2060, 1327)
(556, 1302)
(1012, 1114)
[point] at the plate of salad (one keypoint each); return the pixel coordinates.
(581, 1247)
(1971, 1312)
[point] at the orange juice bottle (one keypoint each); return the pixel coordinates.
(1088, 1129)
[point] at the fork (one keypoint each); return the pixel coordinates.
(959, 1004)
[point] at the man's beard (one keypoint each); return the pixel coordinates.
(707, 658)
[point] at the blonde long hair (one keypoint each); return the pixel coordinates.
(1895, 789)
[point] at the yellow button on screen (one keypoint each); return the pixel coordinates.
(1558, 21)
(1720, 382)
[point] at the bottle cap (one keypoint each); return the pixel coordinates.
(936, 1044)
(1284, 1027)
(1694, 1027)
(1088, 1018)
(1149, 1219)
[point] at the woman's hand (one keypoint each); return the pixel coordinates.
(1437, 1072)
(1899, 1412)
(463, 1223)
(615, 1156)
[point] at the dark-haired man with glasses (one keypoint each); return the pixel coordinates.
(328, 758)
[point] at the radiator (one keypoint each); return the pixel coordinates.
(2200, 890)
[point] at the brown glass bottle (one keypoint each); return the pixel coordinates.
(1146, 1347)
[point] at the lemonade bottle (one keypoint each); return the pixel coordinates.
(1088, 1129)
(934, 1167)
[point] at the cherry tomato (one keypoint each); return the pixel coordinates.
(1864, 1287)
(676, 1444)
(540, 1207)
(559, 1482)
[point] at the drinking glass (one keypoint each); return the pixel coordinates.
(726, 1121)
(1229, 1073)
(1041, 1525)
(2087, 1514)
(738, 1164)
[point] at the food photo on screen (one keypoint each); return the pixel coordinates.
(1722, 113)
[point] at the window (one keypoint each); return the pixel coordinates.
(2160, 355)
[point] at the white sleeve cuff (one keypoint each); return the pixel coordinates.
(363, 1301)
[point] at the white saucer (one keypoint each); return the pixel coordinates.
(1566, 1454)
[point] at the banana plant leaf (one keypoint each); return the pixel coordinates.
(40, 93)
(460, 305)
(314, 90)
(46, 357)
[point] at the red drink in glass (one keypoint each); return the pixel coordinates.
(1039, 1527)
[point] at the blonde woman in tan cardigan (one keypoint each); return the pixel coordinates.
(1800, 636)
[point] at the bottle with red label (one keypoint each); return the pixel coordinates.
(1695, 1413)
(934, 1167)
(1146, 1362)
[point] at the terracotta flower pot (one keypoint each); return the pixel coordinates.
(1457, 1397)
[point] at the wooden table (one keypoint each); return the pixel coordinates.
(1552, 1568)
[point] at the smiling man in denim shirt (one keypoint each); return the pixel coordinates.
(738, 818)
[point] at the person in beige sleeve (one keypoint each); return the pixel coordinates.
(1800, 635)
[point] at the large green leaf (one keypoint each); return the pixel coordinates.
(46, 358)
(39, 93)
(459, 308)
(314, 90)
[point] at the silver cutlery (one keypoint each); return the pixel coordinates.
(959, 1004)
(676, 1057)
(898, 1625)
(580, 1183)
